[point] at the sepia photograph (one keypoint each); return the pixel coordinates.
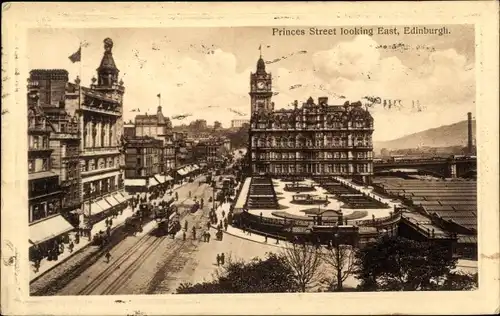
(250, 159)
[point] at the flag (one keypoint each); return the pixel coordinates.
(159, 95)
(77, 56)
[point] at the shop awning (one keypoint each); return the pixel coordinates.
(160, 178)
(49, 229)
(153, 182)
(168, 178)
(119, 198)
(135, 182)
(94, 209)
(112, 201)
(181, 172)
(125, 195)
(103, 204)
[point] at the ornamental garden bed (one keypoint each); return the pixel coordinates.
(299, 188)
(309, 199)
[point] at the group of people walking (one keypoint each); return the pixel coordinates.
(52, 250)
(220, 259)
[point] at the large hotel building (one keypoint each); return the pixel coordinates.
(313, 140)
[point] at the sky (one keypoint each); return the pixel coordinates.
(205, 72)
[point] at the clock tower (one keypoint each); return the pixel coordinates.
(261, 89)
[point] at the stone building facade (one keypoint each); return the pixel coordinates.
(143, 163)
(99, 109)
(43, 184)
(159, 127)
(315, 139)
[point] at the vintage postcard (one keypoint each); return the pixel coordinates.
(343, 159)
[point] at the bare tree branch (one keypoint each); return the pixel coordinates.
(343, 261)
(305, 261)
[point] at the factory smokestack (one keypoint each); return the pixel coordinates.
(469, 130)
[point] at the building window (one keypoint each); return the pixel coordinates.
(45, 164)
(38, 212)
(51, 208)
(102, 163)
(31, 165)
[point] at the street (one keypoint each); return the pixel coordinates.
(139, 263)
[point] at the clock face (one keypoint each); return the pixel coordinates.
(261, 85)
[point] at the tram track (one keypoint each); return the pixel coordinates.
(142, 256)
(176, 258)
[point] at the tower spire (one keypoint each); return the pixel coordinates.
(260, 50)
(107, 71)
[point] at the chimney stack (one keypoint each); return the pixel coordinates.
(469, 130)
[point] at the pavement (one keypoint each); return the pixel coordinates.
(46, 265)
(236, 245)
(148, 262)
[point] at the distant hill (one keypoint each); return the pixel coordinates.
(443, 136)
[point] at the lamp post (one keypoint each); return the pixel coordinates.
(213, 194)
(92, 191)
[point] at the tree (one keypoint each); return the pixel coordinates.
(239, 138)
(398, 264)
(456, 281)
(304, 260)
(342, 259)
(217, 125)
(271, 275)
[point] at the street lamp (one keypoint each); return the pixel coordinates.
(92, 191)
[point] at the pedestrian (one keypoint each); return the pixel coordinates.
(222, 258)
(189, 193)
(223, 214)
(110, 222)
(208, 225)
(208, 236)
(37, 265)
(265, 236)
(184, 235)
(108, 256)
(218, 259)
(225, 226)
(106, 222)
(186, 225)
(108, 231)
(71, 246)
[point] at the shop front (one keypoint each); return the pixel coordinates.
(136, 185)
(47, 236)
(153, 184)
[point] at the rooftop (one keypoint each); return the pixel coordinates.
(452, 201)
